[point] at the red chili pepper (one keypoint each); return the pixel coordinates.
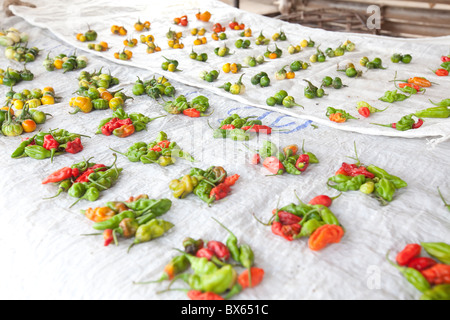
(418, 124)
(204, 253)
(286, 231)
(437, 274)
(302, 162)
(108, 237)
(164, 144)
(228, 127)
(287, 218)
(441, 72)
(58, 176)
(323, 200)
(257, 275)
(75, 172)
(258, 128)
(193, 113)
(421, 263)
(233, 24)
(156, 148)
(198, 295)
(85, 176)
(364, 111)
(445, 58)
(410, 252)
(219, 249)
(274, 165)
(50, 142)
(256, 159)
(411, 85)
(231, 180)
(353, 170)
(220, 191)
(74, 146)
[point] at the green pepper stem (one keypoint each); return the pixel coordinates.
(442, 197)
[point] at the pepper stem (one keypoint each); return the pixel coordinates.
(443, 200)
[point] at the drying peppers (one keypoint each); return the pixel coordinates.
(405, 123)
(338, 115)
(194, 109)
(210, 185)
(161, 151)
(66, 63)
(137, 218)
(315, 221)
(369, 180)
(430, 277)
(236, 128)
(46, 145)
(154, 88)
(209, 271)
(96, 79)
(123, 125)
(286, 161)
(366, 109)
(282, 98)
(11, 77)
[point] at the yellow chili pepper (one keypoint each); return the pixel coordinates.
(82, 104)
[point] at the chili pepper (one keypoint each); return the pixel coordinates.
(323, 200)
(247, 259)
(421, 82)
(74, 146)
(38, 152)
(232, 243)
(436, 112)
(437, 274)
(191, 246)
(285, 231)
(385, 189)
(410, 85)
(309, 227)
(438, 250)
(20, 151)
(443, 103)
(302, 162)
(440, 292)
(324, 235)
(405, 123)
(257, 275)
(115, 221)
(413, 276)
(274, 165)
(108, 237)
(219, 249)
(193, 113)
(286, 217)
(343, 114)
(382, 174)
(64, 186)
(201, 266)
(258, 128)
(441, 72)
(153, 229)
(59, 175)
(199, 295)
(410, 252)
(50, 143)
(421, 263)
(217, 282)
(205, 253)
(351, 183)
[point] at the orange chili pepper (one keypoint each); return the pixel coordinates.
(124, 131)
(325, 235)
(257, 275)
(337, 117)
(99, 214)
(437, 274)
(421, 82)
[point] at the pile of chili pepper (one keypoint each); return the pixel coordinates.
(376, 63)
(170, 65)
(11, 77)
(21, 53)
(64, 62)
(445, 67)
(98, 99)
(209, 76)
(346, 46)
(314, 220)
(407, 85)
(404, 58)
(194, 109)
(393, 96)
(14, 125)
(209, 268)
(430, 276)
(209, 185)
(261, 40)
(90, 35)
(338, 115)
(277, 53)
(282, 98)
(46, 145)
(123, 125)
(370, 180)
(254, 61)
(236, 88)
(96, 79)
(135, 218)
(289, 160)
(236, 128)
(32, 98)
(311, 91)
(407, 122)
(154, 88)
(161, 151)
(350, 71)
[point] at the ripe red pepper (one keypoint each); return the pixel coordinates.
(59, 175)
(353, 170)
(257, 275)
(256, 159)
(441, 72)
(114, 124)
(421, 263)
(50, 142)
(217, 28)
(302, 162)
(286, 231)
(228, 127)
(323, 200)
(233, 24)
(205, 253)
(156, 148)
(410, 252)
(445, 58)
(193, 113)
(437, 274)
(84, 177)
(164, 144)
(364, 111)
(287, 218)
(418, 124)
(74, 146)
(108, 237)
(75, 172)
(411, 85)
(223, 189)
(274, 165)
(198, 295)
(219, 249)
(258, 128)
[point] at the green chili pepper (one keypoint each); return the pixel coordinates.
(436, 112)
(268, 149)
(413, 276)
(203, 190)
(232, 243)
(20, 151)
(440, 292)
(326, 215)
(153, 229)
(247, 259)
(309, 227)
(438, 250)
(37, 152)
(348, 183)
(77, 190)
(217, 282)
(382, 174)
(290, 168)
(201, 266)
(385, 189)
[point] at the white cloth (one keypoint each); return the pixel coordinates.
(45, 257)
